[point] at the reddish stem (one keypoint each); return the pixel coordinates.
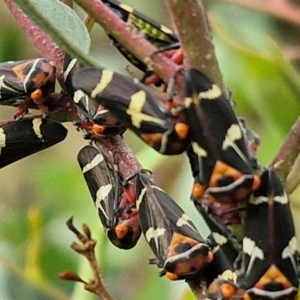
(40, 40)
(132, 41)
(197, 43)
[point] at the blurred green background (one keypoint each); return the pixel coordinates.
(39, 193)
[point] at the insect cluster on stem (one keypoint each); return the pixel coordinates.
(230, 186)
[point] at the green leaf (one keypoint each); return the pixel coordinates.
(62, 24)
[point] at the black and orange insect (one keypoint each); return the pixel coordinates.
(270, 255)
(159, 35)
(178, 247)
(219, 155)
(113, 198)
(24, 81)
(135, 107)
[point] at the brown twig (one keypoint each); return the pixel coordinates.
(193, 31)
(116, 151)
(288, 152)
(293, 178)
(87, 249)
(61, 108)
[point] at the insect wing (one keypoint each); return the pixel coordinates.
(135, 107)
(70, 67)
(88, 110)
(24, 137)
(217, 120)
(11, 86)
(121, 223)
(220, 225)
(149, 27)
(24, 77)
(225, 248)
(218, 144)
(155, 228)
(156, 33)
(270, 253)
(99, 181)
(219, 275)
(40, 74)
(92, 113)
(161, 217)
(131, 103)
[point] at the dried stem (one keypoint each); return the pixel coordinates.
(288, 152)
(293, 178)
(87, 249)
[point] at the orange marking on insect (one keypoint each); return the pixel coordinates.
(121, 231)
(273, 274)
(19, 70)
(221, 288)
(151, 137)
(247, 297)
(189, 265)
(98, 129)
(222, 170)
(256, 183)
(240, 193)
(227, 290)
(171, 276)
(198, 190)
(37, 96)
(182, 130)
(179, 239)
(40, 78)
